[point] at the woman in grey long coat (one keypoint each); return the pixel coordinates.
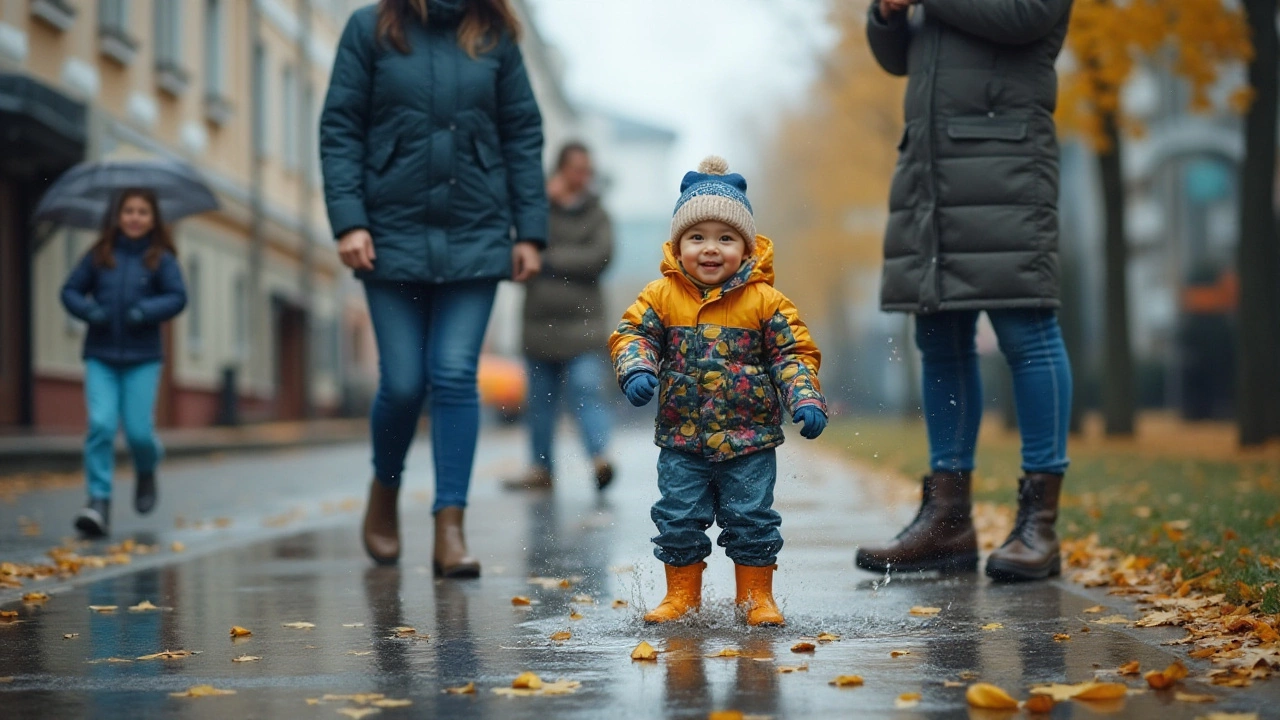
(973, 227)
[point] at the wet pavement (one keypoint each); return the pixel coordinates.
(290, 553)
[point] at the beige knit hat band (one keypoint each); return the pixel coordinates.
(715, 207)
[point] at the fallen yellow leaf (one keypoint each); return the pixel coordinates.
(783, 669)
(404, 631)
(561, 636)
(35, 597)
(727, 653)
(1095, 609)
(726, 715)
(390, 703)
(352, 625)
(1102, 691)
(619, 604)
(952, 684)
(1113, 620)
(644, 651)
(143, 606)
(357, 713)
(246, 658)
(202, 691)
(925, 611)
(1061, 637)
(899, 653)
(993, 626)
(527, 681)
(1228, 716)
(827, 637)
(8, 614)
(1039, 704)
(1133, 667)
(1193, 697)
(907, 700)
(360, 653)
(847, 681)
(803, 647)
(582, 599)
(468, 689)
(237, 631)
(177, 547)
(168, 655)
(989, 697)
(521, 600)
(575, 615)
(1162, 679)
(298, 625)
(69, 636)
(104, 608)
(357, 698)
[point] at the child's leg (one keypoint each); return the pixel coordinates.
(685, 510)
(744, 509)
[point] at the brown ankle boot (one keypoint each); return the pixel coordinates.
(1031, 550)
(450, 557)
(684, 593)
(382, 524)
(755, 595)
(536, 478)
(941, 537)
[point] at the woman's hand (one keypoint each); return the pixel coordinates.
(356, 249)
(526, 260)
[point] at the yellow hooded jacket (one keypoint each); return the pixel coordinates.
(729, 361)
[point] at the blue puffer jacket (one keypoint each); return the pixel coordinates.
(124, 305)
(437, 154)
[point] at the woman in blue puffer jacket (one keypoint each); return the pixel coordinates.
(124, 288)
(431, 145)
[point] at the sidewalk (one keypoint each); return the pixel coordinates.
(39, 452)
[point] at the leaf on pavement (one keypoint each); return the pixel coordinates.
(468, 689)
(298, 625)
(1095, 609)
(899, 653)
(803, 647)
(358, 713)
(1193, 697)
(526, 681)
(8, 614)
(352, 625)
(237, 631)
(561, 636)
(1112, 620)
(1228, 716)
(1160, 617)
(619, 604)
(146, 606)
(924, 611)
(726, 715)
(1161, 679)
(583, 600)
(826, 637)
(246, 658)
(575, 615)
(109, 660)
(169, 655)
(69, 636)
(644, 651)
(993, 626)
(551, 583)
(727, 653)
(202, 691)
(1061, 637)
(104, 608)
(1040, 704)
(357, 698)
(35, 597)
(1102, 691)
(360, 653)
(784, 669)
(907, 700)
(989, 697)
(847, 681)
(404, 631)
(521, 601)
(391, 703)
(1133, 667)
(177, 547)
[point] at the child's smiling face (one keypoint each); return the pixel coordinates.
(711, 252)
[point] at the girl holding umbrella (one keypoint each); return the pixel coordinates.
(124, 288)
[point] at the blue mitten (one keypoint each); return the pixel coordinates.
(135, 316)
(639, 388)
(815, 421)
(97, 315)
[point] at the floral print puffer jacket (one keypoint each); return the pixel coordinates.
(729, 360)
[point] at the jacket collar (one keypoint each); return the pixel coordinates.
(757, 268)
(131, 245)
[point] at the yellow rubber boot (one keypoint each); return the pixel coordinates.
(684, 593)
(755, 595)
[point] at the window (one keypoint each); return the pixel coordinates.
(195, 332)
(113, 14)
(213, 48)
(113, 31)
(291, 132)
(260, 100)
(170, 74)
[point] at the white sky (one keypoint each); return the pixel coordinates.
(715, 71)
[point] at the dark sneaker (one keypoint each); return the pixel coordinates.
(95, 519)
(144, 493)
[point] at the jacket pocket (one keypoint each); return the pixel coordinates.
(982, 127)
(493, 167)
(381, 153)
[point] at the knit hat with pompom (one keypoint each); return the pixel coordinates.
(712, 193)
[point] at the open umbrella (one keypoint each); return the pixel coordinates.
(81, 196)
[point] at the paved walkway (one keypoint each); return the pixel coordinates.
(290, 553)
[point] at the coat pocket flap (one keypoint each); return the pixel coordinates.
(488, 157)
(380, 153)
(986, 128)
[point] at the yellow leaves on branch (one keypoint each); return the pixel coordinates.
(1109, 38)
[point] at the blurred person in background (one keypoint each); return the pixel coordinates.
(124, 288)
(973, 227)
(431, 146)
(565, 328)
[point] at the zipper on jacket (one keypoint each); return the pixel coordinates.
(934, 245)
(121, 311)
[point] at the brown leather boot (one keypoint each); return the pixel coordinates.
(382, 524)
(536, 478)
(684, 593)
(941, 537)
(755, 595)
(451, 559)
(1031, 550)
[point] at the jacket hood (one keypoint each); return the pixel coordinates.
(448, 12)
(758, 267)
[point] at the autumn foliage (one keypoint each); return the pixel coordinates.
(1108, 39)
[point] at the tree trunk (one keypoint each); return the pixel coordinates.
(1258, 251)
(1118, 385)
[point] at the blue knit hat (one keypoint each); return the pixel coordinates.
(713, 194)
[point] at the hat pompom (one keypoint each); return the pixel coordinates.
(713, 165)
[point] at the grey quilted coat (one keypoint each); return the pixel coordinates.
(973, 217)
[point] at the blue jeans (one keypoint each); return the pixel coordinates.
(737, 494)
(429, 339)
(116, 394)
(584, 377)
(1032, 345)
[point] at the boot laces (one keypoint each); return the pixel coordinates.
(1022, 523)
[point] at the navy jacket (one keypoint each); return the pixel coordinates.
(438, 155)
(125, 305)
